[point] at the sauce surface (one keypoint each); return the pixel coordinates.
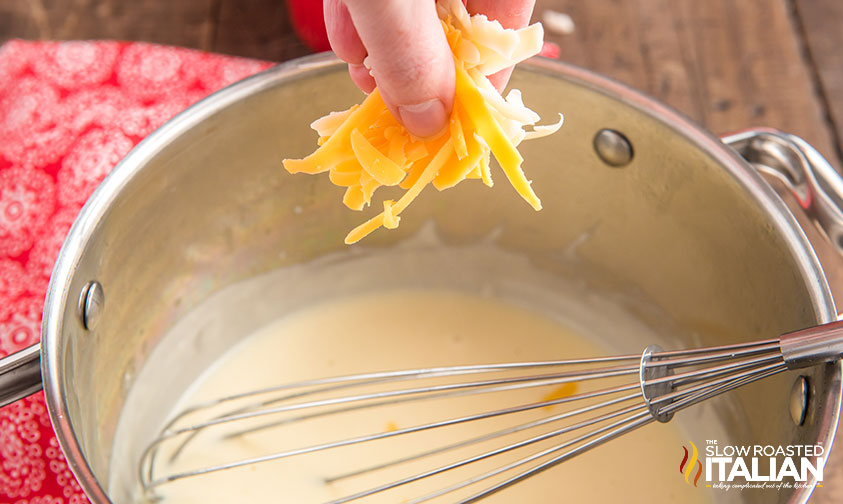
(409, 329)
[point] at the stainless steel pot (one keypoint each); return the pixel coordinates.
(638, 201)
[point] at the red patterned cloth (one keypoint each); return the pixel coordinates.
(68, 113)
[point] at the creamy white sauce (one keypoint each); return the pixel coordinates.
(397, 329)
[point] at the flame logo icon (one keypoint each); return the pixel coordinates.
(688, 468)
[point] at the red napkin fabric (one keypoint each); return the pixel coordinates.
(68, 113)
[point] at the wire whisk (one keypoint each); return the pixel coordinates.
(543, 413)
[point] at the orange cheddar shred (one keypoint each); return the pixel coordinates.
(560, 392)
(365, 147)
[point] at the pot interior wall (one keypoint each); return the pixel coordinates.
(673, 238)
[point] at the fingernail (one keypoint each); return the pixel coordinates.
(424, 119)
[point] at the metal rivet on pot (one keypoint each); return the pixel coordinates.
(91, 301)
(613, 147)
(799, 400)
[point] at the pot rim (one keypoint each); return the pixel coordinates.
(86, 223)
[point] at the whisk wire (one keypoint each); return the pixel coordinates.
(635, 422)
(444, 391)
(486, 455)
(408, 430)
(511, 430)
(665, 382)
(389, 398)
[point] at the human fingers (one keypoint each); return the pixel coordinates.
(410, 59)
(513, 14)
(346, 43)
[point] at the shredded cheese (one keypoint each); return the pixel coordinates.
(560, 392)
(365, 147)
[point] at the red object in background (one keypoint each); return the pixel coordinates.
(550, 50)
(309, 22)
(68, 113)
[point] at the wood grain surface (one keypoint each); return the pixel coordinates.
(728, 64)
(256, 29)
(717, 61)
(820, 25)
(177, 22)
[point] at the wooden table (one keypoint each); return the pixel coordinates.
(729, 64)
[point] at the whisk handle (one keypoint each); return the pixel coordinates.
(811, 346)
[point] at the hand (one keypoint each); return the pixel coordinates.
(412, 64)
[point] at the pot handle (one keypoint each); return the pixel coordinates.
(805, 172)
(20, 374)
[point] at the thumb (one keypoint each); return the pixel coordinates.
(410, 60)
